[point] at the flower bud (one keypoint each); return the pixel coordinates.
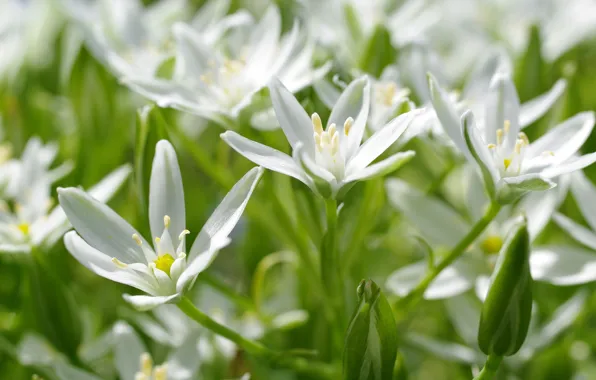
(507, 309)
(371, 340)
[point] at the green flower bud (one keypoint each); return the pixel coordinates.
(506, 311)
(371, 340)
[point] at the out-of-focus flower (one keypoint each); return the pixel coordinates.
(327, 160)
(28, 31)
(442, 228)
(218, 82)
(510, 165)
(31, 221)
(106, 244)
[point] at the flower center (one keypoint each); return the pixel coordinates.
(164, 263)
(328, 145)
(491, 245)
(225, 81)
(24, 228)
(148, 372)
(385, 93)
(509, 161)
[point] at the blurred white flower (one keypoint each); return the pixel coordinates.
(106, 244)
(510, 165)
(327, 160)
(31, 221)
(218, 82)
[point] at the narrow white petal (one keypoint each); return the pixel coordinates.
(571, 165)
(227, 214)
(265, 156)
(201, 261)
(565, 139)
(100, 226)
(128, 347)
(353, 102)
(144, 303)
(533, 109)
(263, 44)
(102, 264)
(381, 168)
(584, 193)
(539, 207)
(576, 230)
(464, 312)
(192, 57)
(563, 265)
(105, 189)
(292, 118)
(502, 104)
(166, 193)
(380, 141)
(435, 220)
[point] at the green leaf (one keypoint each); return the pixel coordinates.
(371, 340)
(378, 52)
(529, 72)
(506, 312)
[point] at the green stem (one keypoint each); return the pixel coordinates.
(418, 292)
(254, 348)
(490, 368)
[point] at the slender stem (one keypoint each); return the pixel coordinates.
(490, 368)
(329, 259)
(418, 292)
(252, 347)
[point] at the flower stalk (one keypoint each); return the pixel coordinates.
(490, 368)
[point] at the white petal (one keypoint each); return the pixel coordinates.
(502, 104)
(326, 92)
(102, 264)
(144, 303)
(14, 248)
(584, 193)
(533, 109)
(436, 221)
(381, 168)
(447, 114)
(479, 150)
(100, 226)
(353, 102)
(105, 189)
(166, 193)
(563, 265)
(314, 170)
(464, 312)
(571, 165)
(185, 360)
(292, 118)
(265, 156)
(201, 261)
(128, 347)
(380, 141)
(576, 230)
(192, 59)
(263, 45)
(565, 139)
(539, 208)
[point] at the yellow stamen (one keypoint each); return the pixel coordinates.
(164, 263)
(166, 221)
(160, 372)
(499, 136)
(332, 130)
(492, 244)
(24, 228)
(157, 240)
(316, 123)
(348, 125)
(183, 234)
(389, 93)
(119, 263)
(146, 364)
(182, 255)
(318, 141)
(506, 126)
(522, 136)
(137, 239)
(519, 144)
(334, 144)
(491, 146)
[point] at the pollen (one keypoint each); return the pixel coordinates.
(164, 263)
(24, 228)
(491, 245)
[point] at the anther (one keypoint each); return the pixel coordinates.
(182, 255)
(332, 130)
(499, 136)
(183, 234)
(160, 372)
(348, 125)
(522, 136)
(334, 144)
(157, 240)
(166, 221)
(491, 146)
(316, 123)
(137, 239)
(506, 126)
(119, 263)
(146, 364)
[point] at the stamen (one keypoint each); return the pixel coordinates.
(166, 221)
(334, 143)
(318, 141)
(506, 126)
(491, 146)
(519, 144)
(348, 125)
(182, 255)
(137, 239)
(332, 130)
(183, 234)
(157, 240)
(24, 228)
(389, 93)
(316, 123)
(499, 136)
(160, 372)
(522, 136)
(141, 376)
(146, 364)
(119, 263)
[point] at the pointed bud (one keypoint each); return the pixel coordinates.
(507, 309)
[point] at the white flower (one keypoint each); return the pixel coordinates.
(327, 160)
(218, 82)
(106, 244)
(31, 221)
(509, 163)
(442, 228)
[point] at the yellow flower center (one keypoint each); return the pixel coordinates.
(24, 228)
(492, 244)
(164, 263)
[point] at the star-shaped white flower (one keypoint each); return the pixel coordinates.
(106, 244)
(218, 82)
(509, 163)
(327, 160)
